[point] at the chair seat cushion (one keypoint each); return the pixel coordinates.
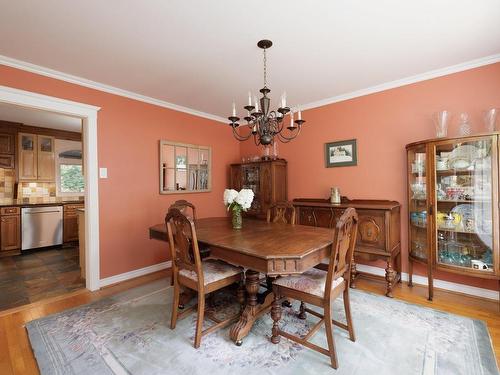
(213, 270)
(310, 282)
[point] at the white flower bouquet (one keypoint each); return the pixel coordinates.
(241, 201)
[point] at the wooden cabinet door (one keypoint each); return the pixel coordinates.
(7, 143)
(27, 157)
(7, 161)
(70, 227)
(236, 177)
(266, 187)
(324, 217)
(371, 229)
(306, 216)
(10, 232)
(46, 158)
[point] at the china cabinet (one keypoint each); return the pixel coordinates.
(453, 206)
(267, 179)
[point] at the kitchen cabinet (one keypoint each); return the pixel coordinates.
(10, 230)
(45, 158)
(268, 181)
(36, 157)
(7, 150)
(70, 222)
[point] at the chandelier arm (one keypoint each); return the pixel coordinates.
(285, 139)
(240, 137)
(281, 125)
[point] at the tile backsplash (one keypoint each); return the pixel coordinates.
(7, 182)
(36, 190)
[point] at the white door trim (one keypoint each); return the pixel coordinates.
(88, 114)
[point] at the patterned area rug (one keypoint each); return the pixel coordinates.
(129, 334)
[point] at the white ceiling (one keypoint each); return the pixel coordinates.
(203, 54)
(35, 117)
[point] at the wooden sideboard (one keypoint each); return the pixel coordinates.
(379, 230)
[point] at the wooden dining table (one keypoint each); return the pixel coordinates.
(274, 249)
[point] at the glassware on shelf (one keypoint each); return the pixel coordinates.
(275, 151)
(441, 120)
(490, 119)
(464, 126)
(419, 190)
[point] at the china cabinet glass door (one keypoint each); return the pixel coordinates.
(251, 180)
(464, 184)
(418, 203)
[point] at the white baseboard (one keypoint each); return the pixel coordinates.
(440, 284)
(417, 279)
(135, 273)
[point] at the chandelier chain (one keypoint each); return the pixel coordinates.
(265, 68)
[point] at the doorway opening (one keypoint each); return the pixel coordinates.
(49, 237)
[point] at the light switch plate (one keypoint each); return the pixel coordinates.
(103, 172)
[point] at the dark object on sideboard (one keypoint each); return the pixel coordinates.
(379, 230)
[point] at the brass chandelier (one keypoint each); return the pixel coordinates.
(266, 125)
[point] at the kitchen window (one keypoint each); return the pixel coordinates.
(71, 178)
(69, 169)
(184, 168)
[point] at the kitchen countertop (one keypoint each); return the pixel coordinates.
(24, 202)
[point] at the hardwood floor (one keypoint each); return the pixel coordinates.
(16, 356)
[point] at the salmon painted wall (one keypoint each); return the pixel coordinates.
(383, 123)
(128, 135)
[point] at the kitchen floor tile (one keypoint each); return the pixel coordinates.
(38, 274)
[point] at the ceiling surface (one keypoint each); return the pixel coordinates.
(203, 54)
(43, 119)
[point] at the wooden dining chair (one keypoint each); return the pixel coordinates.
(184, 206)
(190, 272)
(189, 210)
(281, 212)
(321, 288)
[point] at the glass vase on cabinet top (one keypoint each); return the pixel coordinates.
(463, 186)
(417, 181)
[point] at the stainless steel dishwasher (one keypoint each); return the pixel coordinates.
(41, 226)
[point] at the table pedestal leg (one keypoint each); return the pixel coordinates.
(252, 309)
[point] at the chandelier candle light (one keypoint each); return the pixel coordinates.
(264, 124)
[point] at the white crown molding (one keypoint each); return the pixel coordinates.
(37, 69)
(405, 81)
(439, 284)
(22, 65)
(135, 273)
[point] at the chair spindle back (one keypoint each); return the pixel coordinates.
(183, 243)
(281, 212)
(343, 248)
